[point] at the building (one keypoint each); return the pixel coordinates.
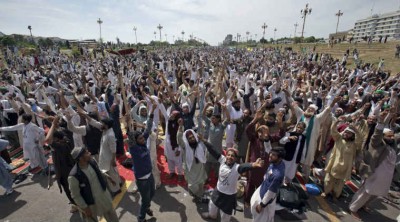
(91, 43)
(228, 39)
(378, 26)
(341, 36)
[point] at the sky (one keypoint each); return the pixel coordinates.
(209, 20)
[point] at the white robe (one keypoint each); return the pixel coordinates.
(267, 214)
(313, 141)
(32, 138)
(231, 128)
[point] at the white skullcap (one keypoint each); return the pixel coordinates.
(350, 130)
(313, 106)
(387, 130)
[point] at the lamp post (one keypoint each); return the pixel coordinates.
(304, 12)
(274, 33)
(295, 29)
(338, 16)
(155, 35)
(159, 28)
(134, 29)
(30, 30)
(247, 35)
(183, 36)
(100, 22)
(265, 26)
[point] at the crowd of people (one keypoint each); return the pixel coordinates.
(263, 113)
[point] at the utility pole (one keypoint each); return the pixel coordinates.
(274, 33)
(100, 22)
(295, 29)
(183, 36)
(338, 16)
(134, 29)
(265, 26)
(304, 12)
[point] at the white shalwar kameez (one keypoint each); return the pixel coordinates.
(32, 134)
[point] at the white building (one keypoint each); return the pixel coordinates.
(377, 26)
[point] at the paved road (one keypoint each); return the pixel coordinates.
(33, 202)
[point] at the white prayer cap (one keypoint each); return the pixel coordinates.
(185, 104)
(387, 130)
(350, 130)
(30, 100)
(313, 106)
(360, 88)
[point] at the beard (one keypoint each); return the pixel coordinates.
(237, 108)
(193, 145)
(361, 94)
(270, 123)
(308, 114)
(389, 142)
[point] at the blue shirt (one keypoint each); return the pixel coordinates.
(273, 178)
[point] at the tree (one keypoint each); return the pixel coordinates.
(310, 39)
(7, 41)
(67, 44)
(49, 42)
(263, 41)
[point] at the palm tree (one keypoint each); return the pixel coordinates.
(30, 30)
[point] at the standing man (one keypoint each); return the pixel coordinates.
(32, 135)
(142, 164)
(108, 149)
(377, 166)
(341, 160)
(89, 188)
(194, 156)
(263, 200)
(62, 159)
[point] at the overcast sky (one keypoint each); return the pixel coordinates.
(210, 20)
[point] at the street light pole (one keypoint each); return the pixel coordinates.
(247, 35)
(159, 28)
(134, 29)
(295, 29)
(100, 22)
(155, 35)
(338, 16)
(183, 36)
(304, 12)
(274, 33)
(264, 27)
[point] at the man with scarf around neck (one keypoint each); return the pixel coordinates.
(172, 149)
(338, 169)
(260, 146)
(224, 196)
(377, 167)
(142, 164)
(263, 201)
(313, 129)
(194, 159)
